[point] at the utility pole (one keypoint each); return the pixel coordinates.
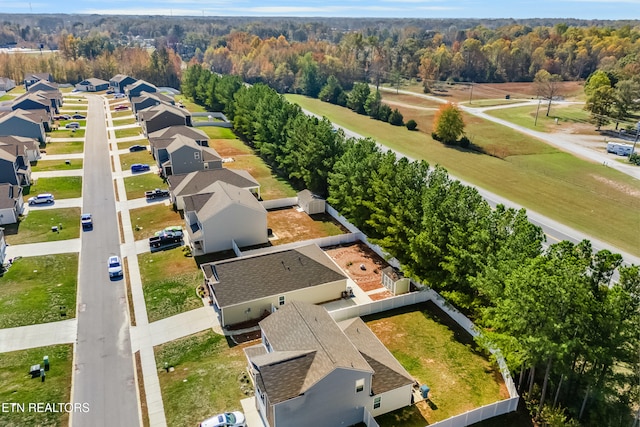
(635, 141)
(535, 122)
(471, 93)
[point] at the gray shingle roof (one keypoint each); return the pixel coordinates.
(187, 131)
(254, 277)
(223, 194)
(8, 195)
(201, 181)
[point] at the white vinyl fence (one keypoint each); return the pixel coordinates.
(279, 203)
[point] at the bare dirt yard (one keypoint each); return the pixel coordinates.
(290, 225)
(363, 266)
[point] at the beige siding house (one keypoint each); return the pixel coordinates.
(228, 213)
(249, 287)
(311, 371)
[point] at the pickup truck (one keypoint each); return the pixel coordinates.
(156, 194)
(165, 238)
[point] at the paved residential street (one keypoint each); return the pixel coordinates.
(104, 368)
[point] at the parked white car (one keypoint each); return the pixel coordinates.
(228, 419)
(41, 198)
(114, 266)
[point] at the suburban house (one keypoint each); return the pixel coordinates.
(32, 101)
(11, 203)
(162, 138)
(14, 166)
(202, 182)
(162, 116)
(32, 78)
(185, 156)
(311, 371)
(228, 213)
(136, 88)
(251, 287)
(29, 145)
(43, 85)
(29, 124)
(310, 203)
(120, 81)
(7, 84)
(146, 100)
(93, 85)
(53, 97)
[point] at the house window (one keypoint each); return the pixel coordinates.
(359, 385)
(196, 155)
(281, 300)
(376, 402)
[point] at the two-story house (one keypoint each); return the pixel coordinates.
(184, 155)
(120, 81)
(26, 123)
(11, 203)
(15, 168)
(161, 116)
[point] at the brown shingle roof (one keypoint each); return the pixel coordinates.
(8, 195)
(254, 277)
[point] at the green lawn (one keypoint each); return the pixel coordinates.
(205, 380)
(71, 106)
(189, 105)
(570, 190)
(525, 116)
(36, 226)
(271, 185)
(215, 132)
(63, 123)
(123, 133)
(64, 147)
(437, 352)
(169, 281)
(67, 133)
(127, 144)
(16, 386)
(39, 290)
(128, 159)
(122, 122)
(117, 114)
(149, 219)
(65, 187)
(56, 165)
(135, 186)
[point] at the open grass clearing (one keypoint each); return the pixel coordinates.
(66, 133)
(56, 165)
(155, 217)
(272, 186)
(289, 225)
(189, 105)
(66, 187)
(215, 132)
(119, 114)
(437, 352)
(572, 118)
(128, 159)
(230, 147)
(36, 226)
(136, 185)
(205, 380)
(17, 386)
(68, 147)
(556, 184)
(39, 290)
(127, 132)
(127, 121)
(169, 281)
(127, 144)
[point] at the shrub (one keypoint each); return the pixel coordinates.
(411, 124)
(395, 118)
(465, 142)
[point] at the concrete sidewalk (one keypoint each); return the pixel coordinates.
(75, 202)
(127, 173)
(56, 174)
(32, 336)
(140, 203)
(45, 156)
(43, 248)
(65, 140)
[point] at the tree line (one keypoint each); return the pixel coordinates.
(567, 331)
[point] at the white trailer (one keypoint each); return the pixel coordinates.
(619, 149)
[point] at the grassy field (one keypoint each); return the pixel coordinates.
(271, 185)
(64, 147)
(215, 132)
(16, 386)
(169, 281)
(66, 133)
(118, 114)
(65, 187)
(127, 144)
(526, 171)
(146, 221)
(135, 186)
(205, 381)
(189, 105)
(437, 352)
(128, 159)
(569, 116)
(56, 165)
(122, 122)
(36, 227)
(39, 290)
(123, 133)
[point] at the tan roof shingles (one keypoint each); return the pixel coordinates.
(201, 181)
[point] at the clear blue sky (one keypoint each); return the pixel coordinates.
(581, 9)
